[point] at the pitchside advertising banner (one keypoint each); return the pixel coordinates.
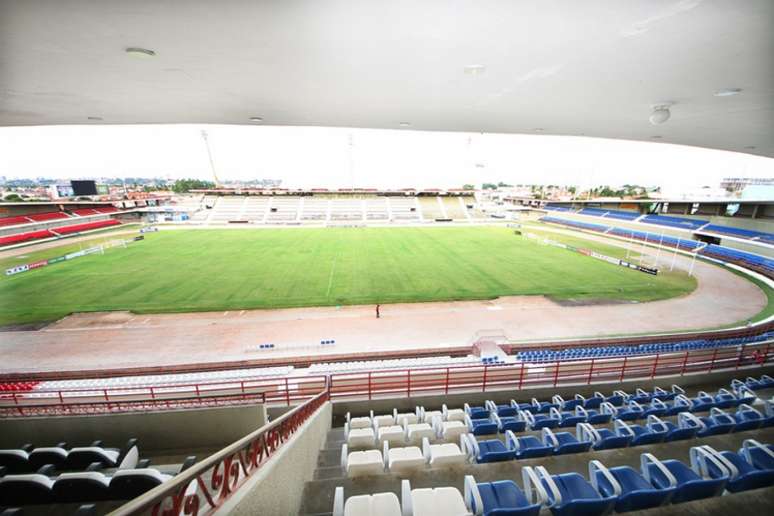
(598, 256)
(83, 252)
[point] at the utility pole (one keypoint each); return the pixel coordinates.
(209, 155)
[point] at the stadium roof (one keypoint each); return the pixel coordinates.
(512, 66)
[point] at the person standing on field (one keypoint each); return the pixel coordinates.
(378, 306)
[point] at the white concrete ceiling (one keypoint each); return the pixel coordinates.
(569, 67)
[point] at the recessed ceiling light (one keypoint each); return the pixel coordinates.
(728, 92)
(94, 118)
(660, 113)
(256, 119)
(404, 124)
(475, 69)
(538, 129)
(656, 136)
(140, 52)
(750, 147)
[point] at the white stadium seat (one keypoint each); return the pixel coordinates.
(449, 430)
(410, 417)
(414, 433)
(383, 420)
(358, 422)
(361, 463)
(433, 501)
(453, 414)
(359, 437)
(445, 454)
(379, 504)
(403, 460)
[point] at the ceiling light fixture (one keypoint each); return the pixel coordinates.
(728, 92)
(538, 129)
(656, 136)
(96, 118)
(750, 147)
(256, 119)
(475, 69)
(140, 52)
(404, 124)
(660, 113)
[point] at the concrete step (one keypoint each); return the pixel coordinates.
(318, 494)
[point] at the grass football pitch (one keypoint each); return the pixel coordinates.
(197, 270)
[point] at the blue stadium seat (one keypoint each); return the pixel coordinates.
(603, 415)
(504, 498)
(630, 412)
(594, 401)
(703, 402)
(641, 435)
(693, 483)
(686, 427)
(563, 404)
(542, 407)
(759, 455)
(501, 410)
(726, 399)
(515, 423)
(743, 474)
(747, 418)
(570, 494)
(718, 422)
(636, 491)
(603, 438)
(569, 419)
(655, 408)
(484, 426)
(492, 450)
(540, 421)
(565, 442)
(476, 412)
(681, 403)
(529, 446)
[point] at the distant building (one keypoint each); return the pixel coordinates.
(736, 184)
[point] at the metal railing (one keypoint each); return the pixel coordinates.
(363, 385)
(94, 400)
(206, 485)
(574, 372)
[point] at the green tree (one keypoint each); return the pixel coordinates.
(186, 185)
(468, 186)
(13, 198)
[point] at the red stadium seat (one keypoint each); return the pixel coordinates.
(86, 226)
(32, 217)
(24, 237)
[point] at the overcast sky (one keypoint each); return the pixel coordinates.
(320, 157)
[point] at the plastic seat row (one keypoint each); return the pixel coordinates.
(404, 459)
(17, 386)
(492, 418)
(764, 382)
(738, 232)
(621, 488)
(91, 485)
(28, 458)
(601, 352)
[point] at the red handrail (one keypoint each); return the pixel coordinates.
(381, 383)
(205, 486)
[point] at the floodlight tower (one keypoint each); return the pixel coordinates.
(209, 155)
